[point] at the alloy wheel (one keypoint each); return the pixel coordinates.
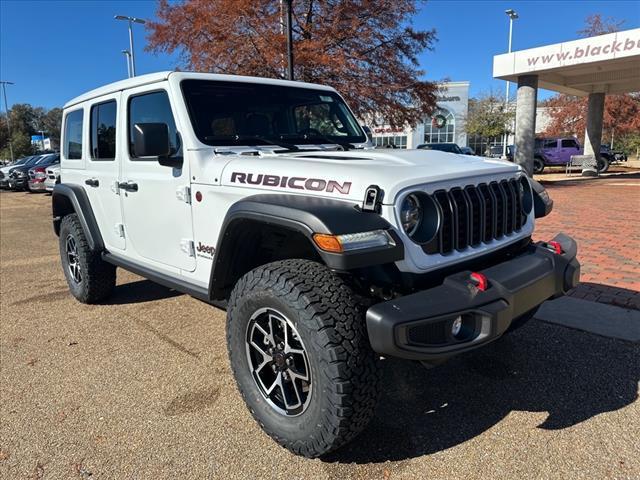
(73, 260)
(278, 362)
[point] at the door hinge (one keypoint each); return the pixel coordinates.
(187, 246)
(119, 229)
(184, 194)
(115, 187)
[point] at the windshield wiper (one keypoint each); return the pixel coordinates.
(256, 139)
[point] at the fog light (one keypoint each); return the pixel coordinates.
(456, 327)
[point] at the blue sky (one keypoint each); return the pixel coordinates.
(55, 50)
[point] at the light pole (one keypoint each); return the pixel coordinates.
(512, 16)
(41, 132)
(289, 33)
(131, 20)
(127, 55)
(6, 109)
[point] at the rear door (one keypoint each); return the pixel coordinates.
(156, 198)
(103, 169)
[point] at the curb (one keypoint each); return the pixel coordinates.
(598, 318)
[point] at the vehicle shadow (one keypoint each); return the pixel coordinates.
(571, 375)
(140, 291)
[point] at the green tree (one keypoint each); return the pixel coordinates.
(488, 116)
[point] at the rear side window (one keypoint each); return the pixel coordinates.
(550, 144)
(73, 135)
(103, 131)
(152, 108)
(569, 143)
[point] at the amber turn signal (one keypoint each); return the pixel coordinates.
(328, 243)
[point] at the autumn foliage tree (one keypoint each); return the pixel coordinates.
(366, 49)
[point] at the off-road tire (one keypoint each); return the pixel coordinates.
(603, 165)
(330, 321)
(538, 165)
(98, 278)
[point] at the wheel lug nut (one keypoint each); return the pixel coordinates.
(274, 367)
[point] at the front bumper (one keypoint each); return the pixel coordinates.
(19, 183)
(419, 326)
(38, 186)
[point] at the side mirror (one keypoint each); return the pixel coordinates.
(151, 140)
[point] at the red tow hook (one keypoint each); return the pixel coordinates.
(555, 247)
(480, 281)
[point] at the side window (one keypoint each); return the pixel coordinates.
(73, 135)
(103, 131)
(550, 144)
(569, 143)
(152, 108)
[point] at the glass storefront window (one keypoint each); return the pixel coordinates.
(397, 141)
(440, 128)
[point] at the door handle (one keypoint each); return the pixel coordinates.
(92, 182)
(128, 186)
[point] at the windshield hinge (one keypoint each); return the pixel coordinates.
(187, 246)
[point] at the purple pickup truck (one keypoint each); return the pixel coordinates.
(558, 151)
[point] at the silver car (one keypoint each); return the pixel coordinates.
(53, 177)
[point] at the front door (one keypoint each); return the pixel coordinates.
(155, 199)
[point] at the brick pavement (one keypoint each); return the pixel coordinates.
(603, 215)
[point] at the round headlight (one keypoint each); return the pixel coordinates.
(411, 214)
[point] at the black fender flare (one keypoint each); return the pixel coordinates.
(69, 198)
(305, 215)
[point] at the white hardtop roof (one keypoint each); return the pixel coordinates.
(161, 76)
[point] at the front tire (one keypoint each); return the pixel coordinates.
(300, 354)
(90, 278)
(538, 166)
(603, 165)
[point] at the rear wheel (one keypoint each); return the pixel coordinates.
(538, 165)
(300, 355)
(90, 278)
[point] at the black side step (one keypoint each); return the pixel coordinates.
(201, 293)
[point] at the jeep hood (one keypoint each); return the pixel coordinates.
(347, 174)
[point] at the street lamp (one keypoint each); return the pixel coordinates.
(131, 20)
(41, 132)
(127, 55)
(512, 14)
(6, 109)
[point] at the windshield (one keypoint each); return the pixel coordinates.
(32, 160)
(238, 113)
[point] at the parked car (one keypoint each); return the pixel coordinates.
(258, 195)
(557, 151)
(443, 147)
(19, 177)
(38, 173)
(6, 171)
(612, 155)
(53, 177)
(467, 150)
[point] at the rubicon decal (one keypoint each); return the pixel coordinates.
(299, 183)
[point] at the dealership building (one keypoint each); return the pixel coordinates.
(445, 125)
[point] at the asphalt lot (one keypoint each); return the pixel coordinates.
(141, 388)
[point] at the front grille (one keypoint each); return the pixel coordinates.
(32, 175)
(476, 214)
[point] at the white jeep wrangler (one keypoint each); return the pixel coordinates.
(260, 196)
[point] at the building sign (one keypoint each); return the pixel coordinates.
(443, 98)
(387, 129)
